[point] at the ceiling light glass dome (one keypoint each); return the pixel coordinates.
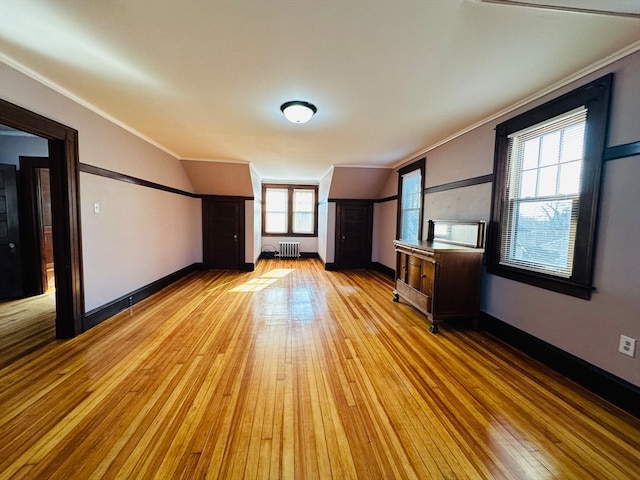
(298, 111)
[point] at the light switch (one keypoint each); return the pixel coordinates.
(96, 207)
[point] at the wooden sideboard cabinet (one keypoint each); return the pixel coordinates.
(440, 276)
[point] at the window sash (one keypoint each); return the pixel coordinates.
(410, 205)
(276, 210)
(542, 197)
(303, 211)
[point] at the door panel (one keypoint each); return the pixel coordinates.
(10, 263)
(353, 245)
(36, 224)
(46, 229)
(223, 233)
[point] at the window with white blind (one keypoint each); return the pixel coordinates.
(410, 197)
(542, 196)
(289, 210)
(276, 202)
(546, 180)
(304, 208)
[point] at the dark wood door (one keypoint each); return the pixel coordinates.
(354, 220)
(10, 262)
(223, 233)
(37, 225)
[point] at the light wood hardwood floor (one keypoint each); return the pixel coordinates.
(294, 372)
(26, 325)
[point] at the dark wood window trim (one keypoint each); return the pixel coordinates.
(290, 188)
(596, 96)
(65, 196)
(418, 164)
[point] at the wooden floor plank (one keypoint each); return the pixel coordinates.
(293, 372)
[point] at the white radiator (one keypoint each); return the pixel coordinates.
(289, 249)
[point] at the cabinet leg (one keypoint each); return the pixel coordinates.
(396, 297)
(434, 328)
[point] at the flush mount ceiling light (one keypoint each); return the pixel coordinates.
(298, 111)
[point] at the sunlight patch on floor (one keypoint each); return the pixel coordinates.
(262, 282)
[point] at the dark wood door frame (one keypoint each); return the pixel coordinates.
(65, 208)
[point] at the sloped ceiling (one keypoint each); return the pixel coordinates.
(205, 79)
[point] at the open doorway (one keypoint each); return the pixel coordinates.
(45, 252)
(27, 267)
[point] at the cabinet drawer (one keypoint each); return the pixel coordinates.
(419, 300)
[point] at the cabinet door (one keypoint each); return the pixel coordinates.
(415, 272)
(427, 281)
(402, 267)
(427, 277)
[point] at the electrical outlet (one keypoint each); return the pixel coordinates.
(627, 346)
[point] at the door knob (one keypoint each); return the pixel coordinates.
(12, 245)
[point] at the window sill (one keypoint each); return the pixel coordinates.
(558, 285)
(289, 234)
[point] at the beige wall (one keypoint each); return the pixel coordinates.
(141, 234)
(358, 182)
(220, 178)
(384, 233)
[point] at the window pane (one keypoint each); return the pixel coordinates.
(542, 235)
(303, 222)
(570, 178)
(303, 211)
(550, 149)
(547, 182)
(529, 182)
(303, 200)
(531, 152)
(410, 205)
(573, 143)
(409, 227)
(276, 201)
(276, 222)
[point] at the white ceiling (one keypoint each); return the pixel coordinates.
(205, 79)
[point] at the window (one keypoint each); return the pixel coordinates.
(410, 193)
(289, 210)
(546, 180)
(276, 201)
(304, 209)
